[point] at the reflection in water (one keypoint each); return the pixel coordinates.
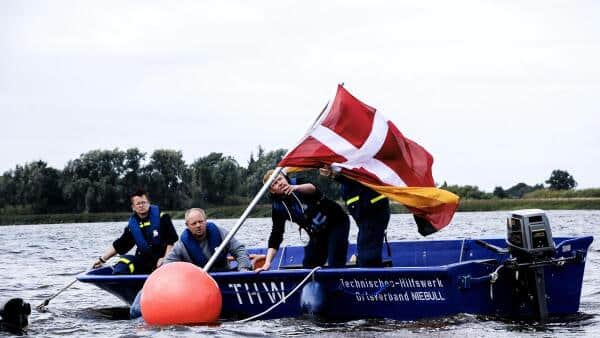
(111, 313)
(38, 260)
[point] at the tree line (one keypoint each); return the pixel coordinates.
(102, 180)
(558, 180)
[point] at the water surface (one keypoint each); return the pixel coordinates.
(38, 260)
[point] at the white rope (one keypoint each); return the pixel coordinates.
(493, 279)
(282, 299)
(290, 214)
(281, 257)
(461, 250)
(288, 211)
(299, 203)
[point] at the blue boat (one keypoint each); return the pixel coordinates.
(528, 275)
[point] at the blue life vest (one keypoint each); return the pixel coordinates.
(309, 216)
(213, 238)
(153, 231)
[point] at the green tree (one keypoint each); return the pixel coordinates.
(132, 169)
(167, 179)
(561, 180)
(8, 190)
(499, 192)
(520, 189)
(93, 182)
(215, 179)
(257, 169)
(34, 186)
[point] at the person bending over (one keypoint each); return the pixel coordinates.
(371, 212)
(323, 219)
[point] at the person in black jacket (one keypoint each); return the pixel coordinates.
(149, 230)
(323, 219)
(371, 212)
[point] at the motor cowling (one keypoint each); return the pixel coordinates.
(529, 235)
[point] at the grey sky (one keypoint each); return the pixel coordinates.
(500, 92)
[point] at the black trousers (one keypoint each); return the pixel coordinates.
(329, 245)
(372, 224)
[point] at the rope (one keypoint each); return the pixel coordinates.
(461, 250)
(493, 279)
(47, 301)
(290, 214)
(312, 272)
(281, 257)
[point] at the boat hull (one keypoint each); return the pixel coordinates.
(427, 279)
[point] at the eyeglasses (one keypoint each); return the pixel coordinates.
(139, 204)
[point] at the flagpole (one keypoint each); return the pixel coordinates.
(258, 196)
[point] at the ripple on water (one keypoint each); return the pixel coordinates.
(37, 264)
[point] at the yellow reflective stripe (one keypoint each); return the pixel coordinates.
(124, 260)
(128, 262)
(161, 214)
(144, 224)
(378, 198)
(352, 200)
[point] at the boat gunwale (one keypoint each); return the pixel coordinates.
(91, 277)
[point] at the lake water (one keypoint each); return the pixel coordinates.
(36, 261)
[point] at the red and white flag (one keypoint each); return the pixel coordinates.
(368, 148)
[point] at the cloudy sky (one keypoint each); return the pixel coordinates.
(500, 92)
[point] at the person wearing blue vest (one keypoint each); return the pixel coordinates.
(199, 240)
(324, 220)
(149, 230)
(371, 212)
(196, 245)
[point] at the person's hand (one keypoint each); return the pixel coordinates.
(264, 267)
(289, 189)
(328, 171)
(325, 171)
(98, 263)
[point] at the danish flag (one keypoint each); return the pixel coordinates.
(358, 141)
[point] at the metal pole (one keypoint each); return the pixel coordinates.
(260, 193)
(237, 226)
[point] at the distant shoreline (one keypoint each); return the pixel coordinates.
(264, 210)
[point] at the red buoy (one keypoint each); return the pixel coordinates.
(180, 293)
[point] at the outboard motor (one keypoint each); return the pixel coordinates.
(530, 243)
(528, 234)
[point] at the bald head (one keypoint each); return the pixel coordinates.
(188, 213)
(195, 221)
